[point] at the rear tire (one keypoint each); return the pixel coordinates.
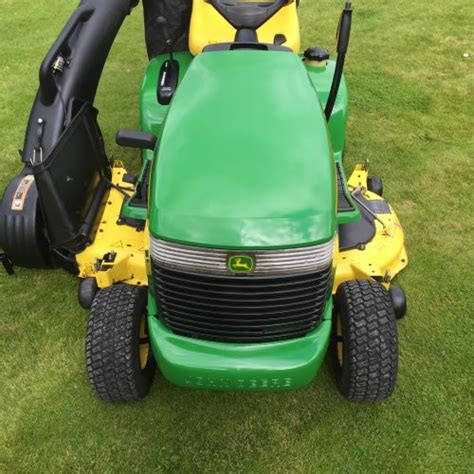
(366, 348)
(119, 360)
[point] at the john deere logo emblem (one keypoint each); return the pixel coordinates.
(241, 263)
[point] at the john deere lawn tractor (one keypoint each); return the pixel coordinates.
(241, 252)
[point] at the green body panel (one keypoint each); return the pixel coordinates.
(322, 77)
(244, 159)
(133, 212)
(196, 363)
(152, 113)
(152, 116)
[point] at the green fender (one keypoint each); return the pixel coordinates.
(271, 366)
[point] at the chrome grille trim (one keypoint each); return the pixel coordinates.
(201, 259)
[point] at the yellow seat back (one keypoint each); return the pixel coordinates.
(208, 26)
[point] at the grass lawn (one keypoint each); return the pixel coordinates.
(412, 115)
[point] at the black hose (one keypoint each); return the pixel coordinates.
(344, 34)
(336, 82)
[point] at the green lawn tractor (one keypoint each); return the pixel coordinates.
(241, 253)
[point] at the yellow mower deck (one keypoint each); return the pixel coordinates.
(129, 244)
(380, 259)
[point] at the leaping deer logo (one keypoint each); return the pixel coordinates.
(241, 263)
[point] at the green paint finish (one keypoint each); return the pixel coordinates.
(196, 363)
(152, 114)
(244, 159)
(321, 78)
(133, 212)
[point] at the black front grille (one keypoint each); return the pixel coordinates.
(240, 309)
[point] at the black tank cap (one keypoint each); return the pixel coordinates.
(317, 54)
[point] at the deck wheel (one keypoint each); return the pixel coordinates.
(375, 184)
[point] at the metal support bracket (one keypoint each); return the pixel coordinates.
(114, 272)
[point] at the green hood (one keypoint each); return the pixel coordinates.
(244, 159)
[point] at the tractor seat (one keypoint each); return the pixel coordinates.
(209, 27)
(248, 15)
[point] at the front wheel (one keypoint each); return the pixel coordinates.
(365, 344)
(119, 360)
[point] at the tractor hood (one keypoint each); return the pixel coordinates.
(244, 160)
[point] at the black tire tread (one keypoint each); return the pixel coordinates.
(369, 330)
(375, 184)
(86, 292)
(112, 357)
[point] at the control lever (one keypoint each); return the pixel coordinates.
(136, 139)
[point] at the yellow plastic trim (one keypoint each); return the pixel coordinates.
(208, 26)
(381, 258)
(130, 246)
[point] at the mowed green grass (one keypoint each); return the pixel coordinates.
(412, 116)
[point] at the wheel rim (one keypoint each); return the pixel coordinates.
(339, 342)
(144, 345)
